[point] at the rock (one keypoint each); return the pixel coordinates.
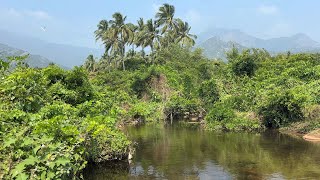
(130, 156)
(194, 118)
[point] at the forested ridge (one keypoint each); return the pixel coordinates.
(55, 121)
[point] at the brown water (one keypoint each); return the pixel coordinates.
(182, 153)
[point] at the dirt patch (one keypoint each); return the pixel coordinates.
(161, 86)
(313, 136)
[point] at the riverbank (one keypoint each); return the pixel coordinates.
(306, 130)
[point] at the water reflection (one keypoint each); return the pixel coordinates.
(181, 153)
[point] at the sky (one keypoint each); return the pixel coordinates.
(74, 21)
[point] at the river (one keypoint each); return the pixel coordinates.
(175, 152)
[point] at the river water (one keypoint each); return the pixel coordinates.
(186, 153)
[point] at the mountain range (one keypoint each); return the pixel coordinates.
(217, 41)
(32, 60)
(65, 55)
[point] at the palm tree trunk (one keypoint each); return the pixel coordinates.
(152, 59)
(123, 66)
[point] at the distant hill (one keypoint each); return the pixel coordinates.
(32, 60)
(65, 55)
(216, 48)
(296, 43)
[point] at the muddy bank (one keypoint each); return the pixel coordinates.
(313, 136)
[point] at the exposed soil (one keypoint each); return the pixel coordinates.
(313, 136)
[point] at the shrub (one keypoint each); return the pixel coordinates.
(312, 112)
(24, 89)
(280, 109)
(54, 74)
(77, 80)
(220, 112)
(208, 92)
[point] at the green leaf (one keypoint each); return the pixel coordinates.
(50, 175)
(22, 176)
(62, 161)
(31, 160)
(27, 142)
(43, 175)
(18, 169)
(9, 142)
(35, 150)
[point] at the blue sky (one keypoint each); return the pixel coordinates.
(73, 21)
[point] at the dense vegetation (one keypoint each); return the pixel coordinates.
(53, 121)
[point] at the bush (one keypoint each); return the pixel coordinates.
(24, 89)
(312, 113)
(280, 109)
(54, 74)
(220, 112)
(77, 80)
(208, 92)
(244, 64)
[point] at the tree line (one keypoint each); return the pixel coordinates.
(159, 33)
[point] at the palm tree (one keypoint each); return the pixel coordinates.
(152, 36)
(183, 34)
(118, 36)
(102, 28)
(165, 17)
(140, 33)
(90, 63)
(133, 29)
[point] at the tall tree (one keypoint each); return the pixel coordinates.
(102, 29)
(165, 17)
(139, 36)
(131, 41)
(90, 63)
(118, 36)
(183, 34)
(152, 36)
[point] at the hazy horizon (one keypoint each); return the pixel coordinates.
(73, 22)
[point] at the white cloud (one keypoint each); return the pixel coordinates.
(16, 14)
(267, 9)
(38, 14)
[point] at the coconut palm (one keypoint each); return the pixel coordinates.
(90, 63)
(102, 28)
(118, 36)
(152, 36)
(131, 40)
(183, 34)
(140, 33)
(165, 17)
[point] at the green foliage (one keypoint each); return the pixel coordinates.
(77, 80)
(157, 34)
(4, 66)
(54, 74)
(280, 109)
(243, 65)
(220, 112)
(178, 106)
(208, 92)
(54, 121)
(51, 125)
(24, 89)
(223, 117)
